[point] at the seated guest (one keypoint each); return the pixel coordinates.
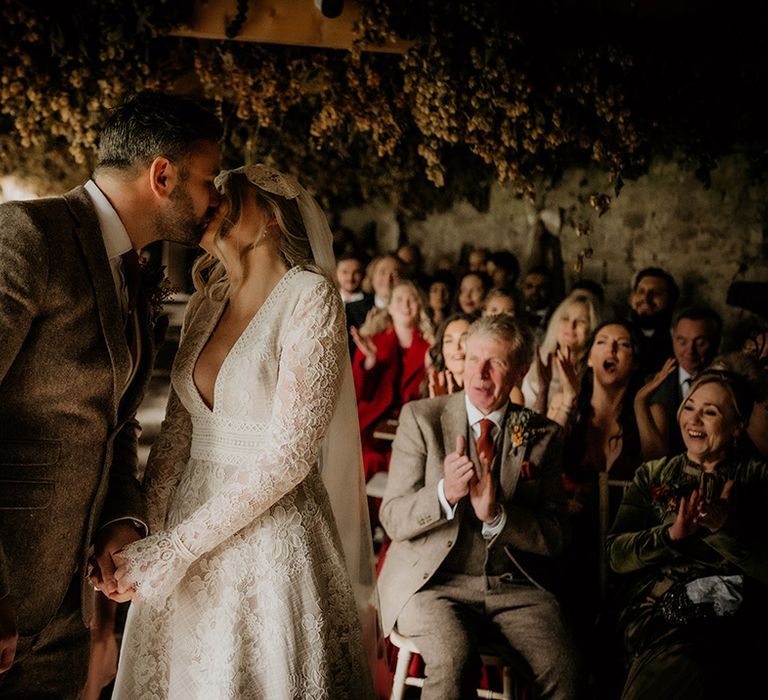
(446, 372)
(563, 348)
(601, 436)
(589, 288)
(440, 290)
(537, 297)
(696, 332)
(383, 272)
(477, 259)
(412, 263)
(754, 440)
(473, 286)
(651, 302)
(389, 366)
(502, 300)
(503, 269)
(475, 509)
(690, 538)
(757, 341)
(349, 277)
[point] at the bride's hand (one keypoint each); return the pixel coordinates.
(150, 569)
(125, 584)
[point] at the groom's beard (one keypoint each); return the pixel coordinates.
(178, 223)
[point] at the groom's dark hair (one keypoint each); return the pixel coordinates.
(153, 124)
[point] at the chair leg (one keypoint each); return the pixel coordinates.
(401, 673)
(507, 683)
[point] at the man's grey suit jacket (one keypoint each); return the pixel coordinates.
(421, 535)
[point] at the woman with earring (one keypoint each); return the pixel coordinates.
(691, 544)
(247, 586)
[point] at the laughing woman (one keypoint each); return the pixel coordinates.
(691, 540)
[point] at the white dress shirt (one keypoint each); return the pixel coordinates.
(116, 240)
(349, 297)
(684, 379)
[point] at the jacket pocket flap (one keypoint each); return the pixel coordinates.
(29, 452)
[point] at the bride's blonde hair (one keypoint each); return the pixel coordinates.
(209, 274)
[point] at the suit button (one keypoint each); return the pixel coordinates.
(450, 543)
(426, 576)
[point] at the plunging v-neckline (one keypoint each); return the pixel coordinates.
(215, 320)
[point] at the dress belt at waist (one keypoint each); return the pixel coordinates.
(219, 439)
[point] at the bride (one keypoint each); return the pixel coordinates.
(246, 589)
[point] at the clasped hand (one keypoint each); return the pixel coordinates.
(696, 512)
(106, 560)
(461, 479)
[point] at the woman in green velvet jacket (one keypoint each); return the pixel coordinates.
(691, 537)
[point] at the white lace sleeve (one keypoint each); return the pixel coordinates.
(167, 458)
(308, 383)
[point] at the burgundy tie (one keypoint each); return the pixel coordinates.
(131, 276)
(485, 440)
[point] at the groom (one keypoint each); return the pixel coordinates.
(75, 358)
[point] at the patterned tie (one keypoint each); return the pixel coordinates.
(131, 275)
(485, 440)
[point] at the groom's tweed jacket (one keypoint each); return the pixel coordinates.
(67, 432)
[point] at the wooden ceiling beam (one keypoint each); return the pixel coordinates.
(292, 22)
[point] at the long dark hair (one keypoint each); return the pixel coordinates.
(626, 418)
(436, 351)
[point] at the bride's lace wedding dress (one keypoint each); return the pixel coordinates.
(243, 588)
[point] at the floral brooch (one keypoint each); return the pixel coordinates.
(157, 288)
(520, 431)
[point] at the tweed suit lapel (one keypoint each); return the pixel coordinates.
(135, 390)
(95, 256)
(453, 421)
(511, 457)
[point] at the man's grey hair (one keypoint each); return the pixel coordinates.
(506, 328)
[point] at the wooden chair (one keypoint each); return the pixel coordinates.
(490, 655)
(604, 494)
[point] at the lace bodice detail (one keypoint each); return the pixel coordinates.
(273, 400)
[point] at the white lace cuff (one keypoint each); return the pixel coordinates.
(156, 564)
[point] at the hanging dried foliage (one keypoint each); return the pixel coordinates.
(491, 91)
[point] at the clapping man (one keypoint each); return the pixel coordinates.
(475, 509)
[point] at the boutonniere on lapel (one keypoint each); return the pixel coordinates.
(157, 288)
(521, 432)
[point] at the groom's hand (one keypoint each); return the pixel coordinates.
(110, 540)
(9, 634)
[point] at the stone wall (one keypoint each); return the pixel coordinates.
(705, 237)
